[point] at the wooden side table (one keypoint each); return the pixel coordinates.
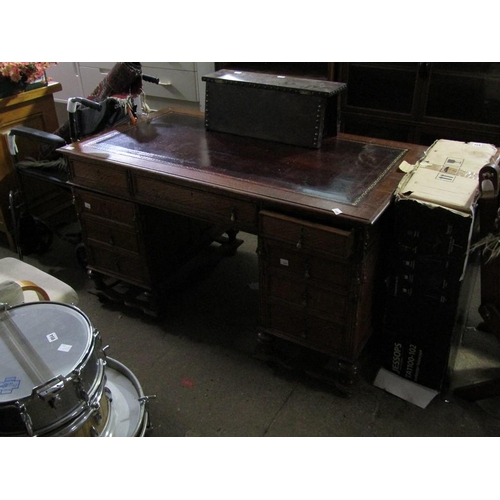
(36, 109)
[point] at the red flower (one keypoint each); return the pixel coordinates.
(26, 72)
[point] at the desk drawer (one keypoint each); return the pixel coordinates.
(110, 234)
(123, 265)
(200, 204)
(308, 330)
(283, 258)
(105, 207)
(99, 177)
(306, 236)
(312, 299)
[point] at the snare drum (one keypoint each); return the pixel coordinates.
(92, 421)
(52, 368)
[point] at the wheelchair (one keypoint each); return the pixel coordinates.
(44, 175)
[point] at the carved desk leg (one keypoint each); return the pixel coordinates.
(229, 244)
(129, 295)
(340, 374)
(265, 346)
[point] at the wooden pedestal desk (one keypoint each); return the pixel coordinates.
(317, 214)
(36, 109)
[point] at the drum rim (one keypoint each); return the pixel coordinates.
(140, 428)
(82, 362)
(92, 350)
(43, 303)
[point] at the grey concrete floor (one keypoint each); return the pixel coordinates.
(199, 363)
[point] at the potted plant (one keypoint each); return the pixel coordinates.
(17, 77)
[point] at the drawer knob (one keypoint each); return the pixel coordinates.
(307, 274)
(233, 215)
(300, 243)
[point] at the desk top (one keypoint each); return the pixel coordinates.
(350, 175)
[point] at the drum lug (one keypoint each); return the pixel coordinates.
(108, 394)
(50, 391)
(98, 341)
(97, 412)
(77, 379)
(25, 417)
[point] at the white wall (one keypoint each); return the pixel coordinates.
(180, 83)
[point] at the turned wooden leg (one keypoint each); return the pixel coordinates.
(231, 234)
(265, 346)
(348, 372)
(97, 279)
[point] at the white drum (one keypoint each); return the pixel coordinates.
(128, 415)
(52, 369)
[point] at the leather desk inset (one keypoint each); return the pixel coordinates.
(316, 212)
(342, 170)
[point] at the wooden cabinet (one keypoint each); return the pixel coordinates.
(422, 102)
(34, 108)
(315, 285)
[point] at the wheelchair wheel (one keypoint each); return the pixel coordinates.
(34, 235)
(81, 255)
(45, 237)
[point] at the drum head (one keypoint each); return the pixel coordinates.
(60, 334)
(127, 417)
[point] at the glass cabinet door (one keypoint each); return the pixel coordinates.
(464, 91)
(387, 87)
(422, 102)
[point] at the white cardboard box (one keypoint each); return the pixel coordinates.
(447, 175)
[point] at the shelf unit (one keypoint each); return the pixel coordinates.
(422, 102)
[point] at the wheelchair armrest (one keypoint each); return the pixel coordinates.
(38, 135)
